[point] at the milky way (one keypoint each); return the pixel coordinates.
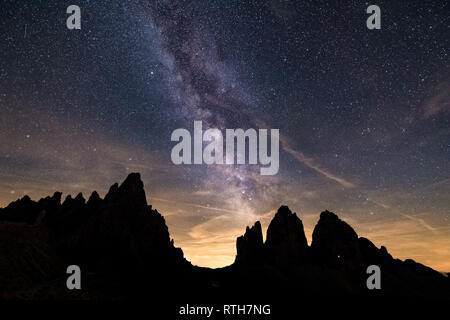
(363, 114)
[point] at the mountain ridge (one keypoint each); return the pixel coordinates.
(123, 236)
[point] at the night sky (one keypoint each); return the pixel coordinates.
(363, 114)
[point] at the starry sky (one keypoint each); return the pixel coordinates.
(363, 114)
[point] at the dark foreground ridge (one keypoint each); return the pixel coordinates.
(124, 250)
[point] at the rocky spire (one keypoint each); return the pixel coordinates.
(335, 243)
(286, 242)
(94, 200)
(130, 191)
(250, 247)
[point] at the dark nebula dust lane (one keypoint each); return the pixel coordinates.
(363, 114)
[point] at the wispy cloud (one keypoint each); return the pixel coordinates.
(422, 222)
(312, 164)
(439, 102)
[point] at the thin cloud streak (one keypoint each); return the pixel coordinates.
(421, 222)
(310, 163)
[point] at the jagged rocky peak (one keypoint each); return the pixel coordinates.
(250, 246)
(130, 191)
(22, 210)
(121, 229)
(50, 204)
(80, 198)
(24, 201)
(335, 243)
(331, 227)
(132, 183)
(285, 225)
(68, 199)
(286, 241)
(94, 198)
(254, 233)
(56, 198)
(372, 255)
(69, 203)
(112, 193)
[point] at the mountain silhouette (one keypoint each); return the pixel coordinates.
(123, 247)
